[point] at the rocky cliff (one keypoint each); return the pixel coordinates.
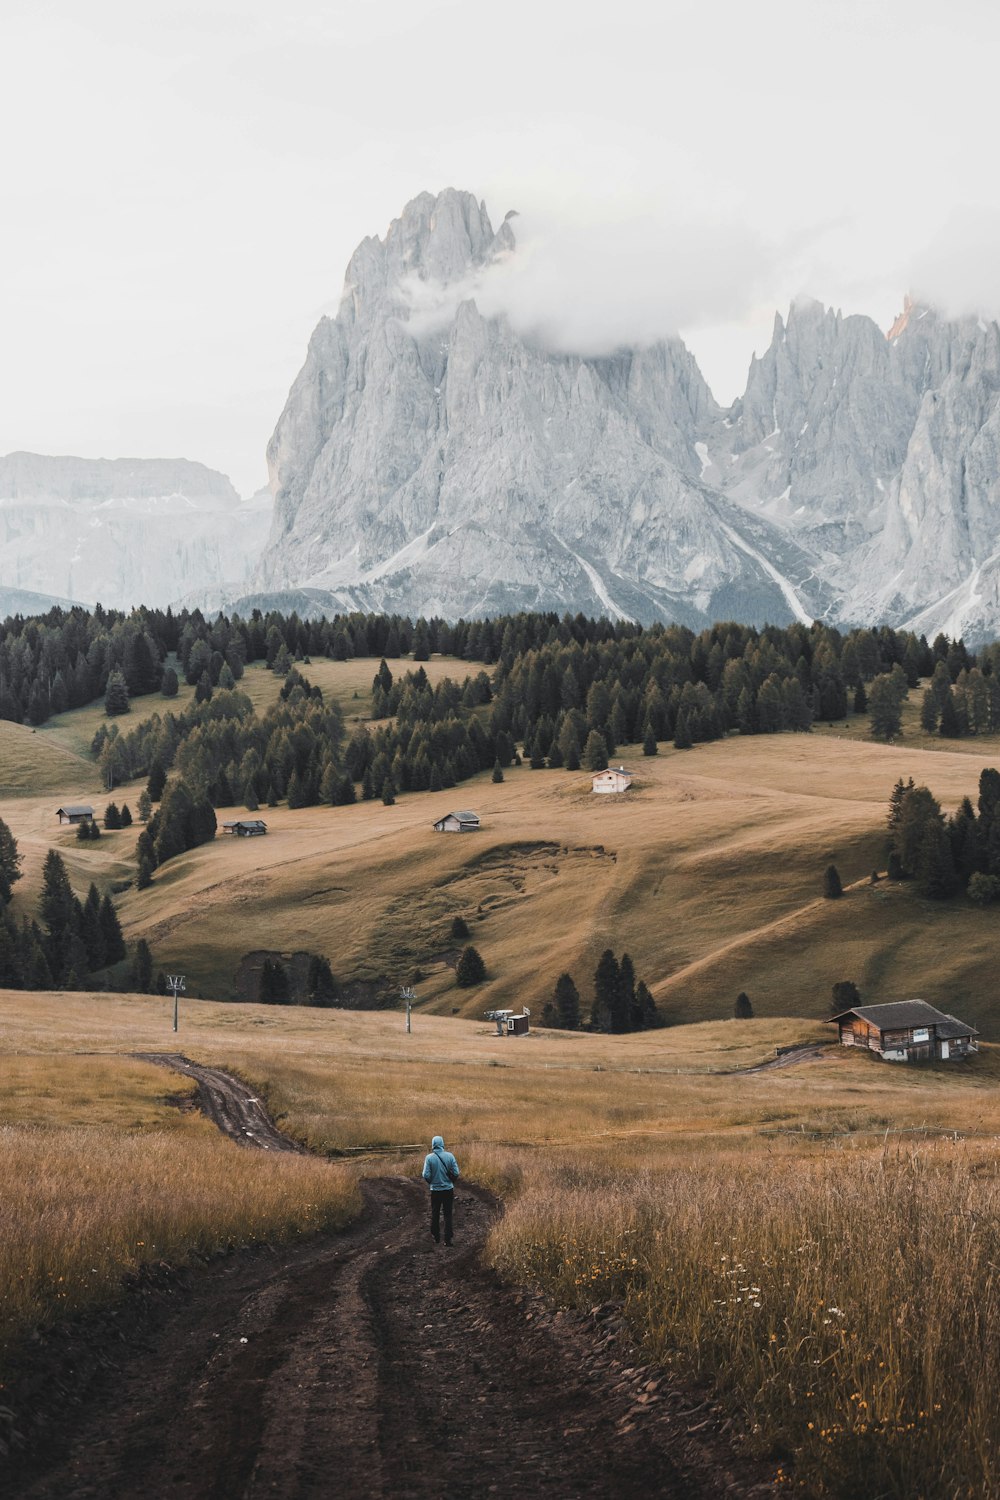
(431, 459)
(123, 531)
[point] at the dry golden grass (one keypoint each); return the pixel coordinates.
(708, 873)
(101, 1175)
(633, 1165)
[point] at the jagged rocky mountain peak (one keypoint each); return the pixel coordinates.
(434, 459)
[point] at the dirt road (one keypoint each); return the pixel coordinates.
(369, 1363)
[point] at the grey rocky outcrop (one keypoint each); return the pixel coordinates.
(431, 459)
(123, 531)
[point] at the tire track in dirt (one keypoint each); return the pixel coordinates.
(372, 1364)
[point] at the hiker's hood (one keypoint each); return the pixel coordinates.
(437, 1144)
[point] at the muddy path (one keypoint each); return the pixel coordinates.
(371, 1363)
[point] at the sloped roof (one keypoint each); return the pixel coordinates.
(74, 809)
(464, 817)
(951, 1027)
(903, 1013)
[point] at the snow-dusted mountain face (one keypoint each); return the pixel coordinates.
(438, 463)
(430, 459)
(124, 531)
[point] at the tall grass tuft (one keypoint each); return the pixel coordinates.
(83, 1207)
(850, 1310)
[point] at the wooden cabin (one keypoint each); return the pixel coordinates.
(245, 828)
(457, 822)
(75, 812)
(906, 1031)
(614, 779)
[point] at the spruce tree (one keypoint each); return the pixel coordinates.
(125, 816)
(627, 1012)
(92, 931)
(116, 695)
(844, 996)
(497, 772)
(471, 969)
(651, 1017)
(389, 792)
(682, 732)
(606, 1008)
(595, 752)
(274, 989)
(10, 863)
(157, 780)
(112, 817)
(114, 943)
(142, 967)
(743, 1010)
(649, 745)
(459, 928)
(832, 887)
(566, 1003)
(168, 683)
(321, 986)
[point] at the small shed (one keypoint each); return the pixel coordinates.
(245, 828)
(75, 812)
(457, 822)
(906, 1031)
(614, 779)
(509, 1022)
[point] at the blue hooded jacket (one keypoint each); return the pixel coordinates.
(440, 1167)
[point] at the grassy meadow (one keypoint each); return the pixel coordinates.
(708, 872)
(818, 1243)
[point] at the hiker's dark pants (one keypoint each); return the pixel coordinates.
(442, 1198)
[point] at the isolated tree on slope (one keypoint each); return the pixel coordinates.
(743, 1010)
(832, 887)
(471, 968)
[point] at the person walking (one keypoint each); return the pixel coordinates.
(441, 1173)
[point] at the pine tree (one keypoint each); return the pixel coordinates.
(273, 989)
(321, 986)
(142, 967)
(885, 708)
(459, 928)
(497, 772)
(743, 1010)
(389, 792)
(627, 1014)
(832, 887)
(682, 733)
(471, 969)
(845, 995)
(566, 1003)
(860, 699)
(57, 909)
(649, 745)
(114, 943)
(92, 932)
(606, 1006)
(125, 816)
(144, 878)
(157, 780)
(595, 752)
(112, 817)
(651, 1017)
(10, 863)
(168, 683)
(116, 695)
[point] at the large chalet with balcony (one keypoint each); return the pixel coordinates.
(906, 1031)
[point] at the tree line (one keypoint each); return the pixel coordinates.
(621, 1003)
(946, 855)
(70, 942)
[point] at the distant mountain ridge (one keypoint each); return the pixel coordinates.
(438, 463)
(123, 531)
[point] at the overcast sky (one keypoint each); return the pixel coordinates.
(184, 181)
